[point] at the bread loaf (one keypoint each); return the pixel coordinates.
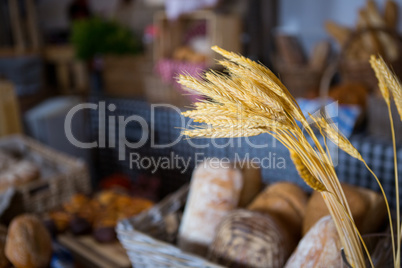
(251, 239)
(320, 247)
(214, 192)
(252, 183)
(283, 200)
(376, 213)
(28, 243)
(367, 207)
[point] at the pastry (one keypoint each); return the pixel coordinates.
(28, 243)
(214, 192)
(251, 239)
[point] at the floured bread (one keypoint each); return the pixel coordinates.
(214, 192)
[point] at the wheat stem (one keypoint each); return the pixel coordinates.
(398, 228)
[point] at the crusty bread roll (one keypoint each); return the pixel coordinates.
(284, 200)
(366, 207)
(28, 243)
(214, 192)
(251, 239)
(320, 247)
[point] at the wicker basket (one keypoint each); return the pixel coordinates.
(150, 242)
(361, 71)
(300, 79)
(61, 175)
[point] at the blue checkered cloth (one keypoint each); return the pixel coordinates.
(379, 156)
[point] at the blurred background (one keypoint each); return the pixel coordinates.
(125, 55)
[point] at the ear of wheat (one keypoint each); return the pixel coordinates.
(389, 83)
(251, 101)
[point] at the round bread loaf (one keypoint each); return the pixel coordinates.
(28, 243)
(251, 239)
(316, 207)
(284, 200)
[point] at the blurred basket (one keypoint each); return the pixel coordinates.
(61, 176)
(360, 70)
(149, 237)
(300, 80)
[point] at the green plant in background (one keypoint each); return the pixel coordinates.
(95, 36)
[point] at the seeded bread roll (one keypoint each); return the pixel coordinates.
(251, 239)
(214, 192)
(283, 200)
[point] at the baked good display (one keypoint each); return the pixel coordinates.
(251, 239)
(284, 200)
(28, 243)
(99, 215)
(18, 173)
(214, 191)
(321, 245)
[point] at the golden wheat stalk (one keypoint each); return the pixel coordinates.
(252, 91)
(391, 81)
(344, 144)
(336, 137)
(305, 174)
(376, 65)
(388, 80)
